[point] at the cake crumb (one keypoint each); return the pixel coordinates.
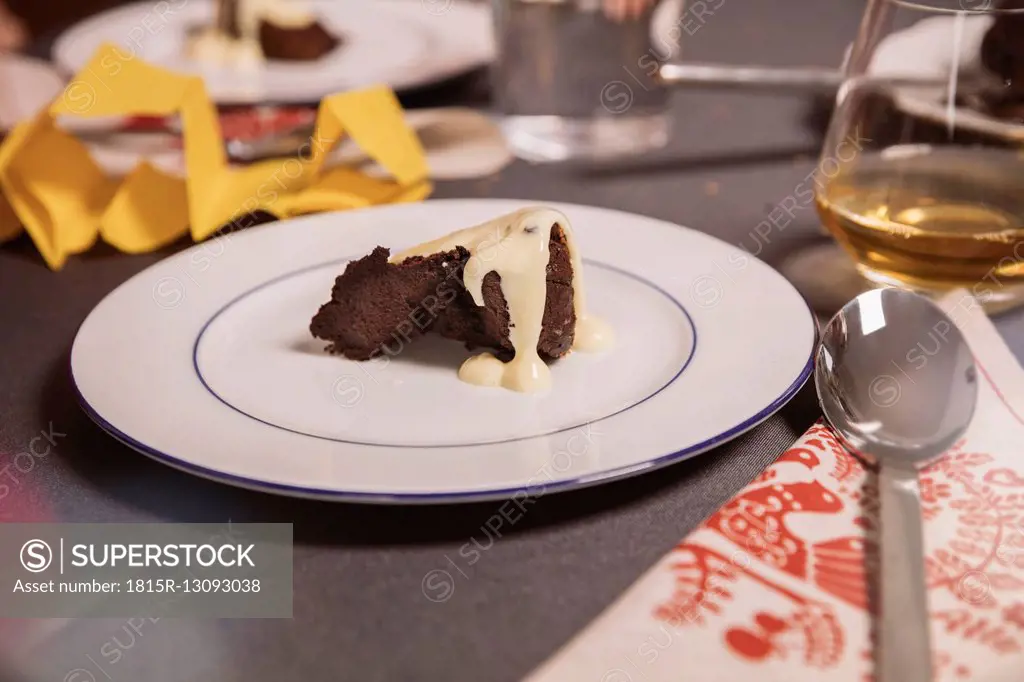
(711, 189)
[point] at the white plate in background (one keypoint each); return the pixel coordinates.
(401, 43)
(28, 86)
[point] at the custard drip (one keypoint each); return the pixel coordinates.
(516, 247)
(213, 46)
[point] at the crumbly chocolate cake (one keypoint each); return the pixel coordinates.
(303, 44)
(377, 306)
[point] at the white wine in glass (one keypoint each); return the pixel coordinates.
(933, 198)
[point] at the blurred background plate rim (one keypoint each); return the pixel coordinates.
(29, 84)
(458, 37)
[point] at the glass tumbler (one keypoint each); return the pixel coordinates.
(573, 82)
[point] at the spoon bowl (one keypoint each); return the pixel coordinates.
(895, 377)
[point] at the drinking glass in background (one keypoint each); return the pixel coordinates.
(577, 79)
(922, 174)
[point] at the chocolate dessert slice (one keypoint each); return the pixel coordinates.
(513, 285)
(378, 306)
(296, 44)
(246, 31)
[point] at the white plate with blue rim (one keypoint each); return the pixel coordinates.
(205, 362)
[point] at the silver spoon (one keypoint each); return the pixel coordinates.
(897, 382)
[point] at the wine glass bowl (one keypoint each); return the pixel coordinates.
(932, 104)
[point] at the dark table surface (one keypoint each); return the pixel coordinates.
(359, 609)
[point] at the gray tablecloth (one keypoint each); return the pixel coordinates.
(360, 612)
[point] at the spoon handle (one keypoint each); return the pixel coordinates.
(905, 650)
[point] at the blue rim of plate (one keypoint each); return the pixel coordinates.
(533, 491)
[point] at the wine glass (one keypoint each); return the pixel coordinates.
(921, 179)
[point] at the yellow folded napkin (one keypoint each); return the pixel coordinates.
(52, 187)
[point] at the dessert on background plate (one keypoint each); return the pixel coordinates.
(246, 33)
(1002, 54)
(512, 285)
(382, 42)
(983, 47)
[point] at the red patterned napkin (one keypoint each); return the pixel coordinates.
(772, 587)
(237, 123)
